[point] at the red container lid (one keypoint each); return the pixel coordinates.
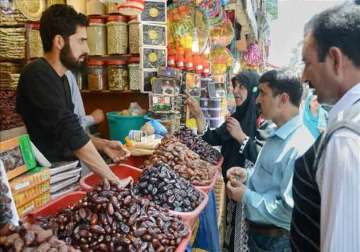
(35, 26)
(134, 59)
(117, 18)
(116, 62)
(96, 20)
(95, 62)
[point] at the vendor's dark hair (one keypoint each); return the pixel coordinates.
(340, 27)
(59, 19)
(284, 81)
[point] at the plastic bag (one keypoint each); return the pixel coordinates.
(135, 109)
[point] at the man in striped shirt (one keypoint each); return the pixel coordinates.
(326, 184)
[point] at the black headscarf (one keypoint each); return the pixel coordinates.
(246, 114)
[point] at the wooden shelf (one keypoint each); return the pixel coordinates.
(112, 57)
(110, 92)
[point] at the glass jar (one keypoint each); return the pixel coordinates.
(95, 7)
(134, 36)
(134, 73)
(96, 75)
(117, 39)
(112, 7)
(36, 49)
(96, 32)
(118, 75)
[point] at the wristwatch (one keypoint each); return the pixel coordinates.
(243, 144)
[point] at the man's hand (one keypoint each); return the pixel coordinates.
(116, 151)
(235, 190)
(236, 174)
(98, 116)
(235, 130)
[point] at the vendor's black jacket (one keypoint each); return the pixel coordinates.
(44, 102)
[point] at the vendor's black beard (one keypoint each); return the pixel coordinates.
(68, 60)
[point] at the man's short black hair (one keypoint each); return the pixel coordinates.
(340, 27)
(284, 81)
(59, 19)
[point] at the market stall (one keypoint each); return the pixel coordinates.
(144, 57)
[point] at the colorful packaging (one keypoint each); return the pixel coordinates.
(32, 193)
(17, 156)
(34, 204)
(29, 180)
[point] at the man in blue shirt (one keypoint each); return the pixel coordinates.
(267, 192)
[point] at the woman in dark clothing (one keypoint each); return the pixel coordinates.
(236, 136)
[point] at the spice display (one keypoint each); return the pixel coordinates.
(153, 35)
(118, 75)
(96, 32)
(198, 145)
(36, 49)
(95, 7)
(96, 75)
(184, 162)
(154, 12)
(163, 187)
(117, 35)
(29, 237)
(134, 36)
(8, 117)
(12, 43)
(153, 58)
(111, 217)
(134, 73)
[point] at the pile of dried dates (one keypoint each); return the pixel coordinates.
(31, 238)
(112, 218)
(166, 189)
(186, 163)
(5, 204)
(198, 145)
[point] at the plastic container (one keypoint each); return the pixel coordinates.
(96, 75)
(36, 49)
(88, 182)
(112, 8)
(95, 7)
(120, 125)
(70, 200)
(215, 122)
(96, 32)
(189, 218)
(78, 5)
(131, 7)
(214, 112)
(118, 75)
(205, 112)
(214, 103)
(117, 35)
(204, 102)
(134, 35)
(134, 73)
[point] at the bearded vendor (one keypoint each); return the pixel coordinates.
(44, 96)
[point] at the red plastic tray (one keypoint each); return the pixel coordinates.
(71, 199)
(122, 171)
(135, 161)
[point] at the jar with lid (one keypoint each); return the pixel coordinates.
(112, 7)
(117, 39)
(36, 49)
(95, 7)
(96, 32)
(134, 73)
(134, 35)
(96, 75)
(118, 75)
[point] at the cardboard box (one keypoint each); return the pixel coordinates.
(36, 203)
(17, 156)
(29, 180)
(32, 193)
